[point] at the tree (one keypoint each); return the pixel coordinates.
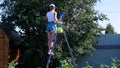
(109, 29)
(81, 25)
(29, 15)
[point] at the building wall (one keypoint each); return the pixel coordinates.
(100, 56)
(107, 47)
(4, 46)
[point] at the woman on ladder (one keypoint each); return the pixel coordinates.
(51, 27)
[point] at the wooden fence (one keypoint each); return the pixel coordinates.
(4, 47)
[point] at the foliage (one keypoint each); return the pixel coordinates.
(87, 65)
(115, 64)
(109, 29)
(29, 16)
(81, 26)
(12, 64)
(65, 64)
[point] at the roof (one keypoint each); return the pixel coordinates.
(12, 34)
(108, 41)
(5, 29)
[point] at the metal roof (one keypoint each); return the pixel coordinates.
(108, 41)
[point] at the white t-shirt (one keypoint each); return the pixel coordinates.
(50, 16)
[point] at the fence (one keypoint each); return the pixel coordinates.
(4, 45)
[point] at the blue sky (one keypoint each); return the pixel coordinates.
(112, 10)
(0, 10)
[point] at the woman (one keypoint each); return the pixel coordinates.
(51, 27)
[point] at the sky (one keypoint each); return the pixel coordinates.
(0, 10)
(112, 10)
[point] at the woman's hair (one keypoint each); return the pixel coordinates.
(51, 8)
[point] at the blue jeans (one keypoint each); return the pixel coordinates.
(51, 27)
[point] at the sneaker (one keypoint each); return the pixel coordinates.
(50, 53)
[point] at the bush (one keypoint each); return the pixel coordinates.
(65, 64)
(115, 64)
